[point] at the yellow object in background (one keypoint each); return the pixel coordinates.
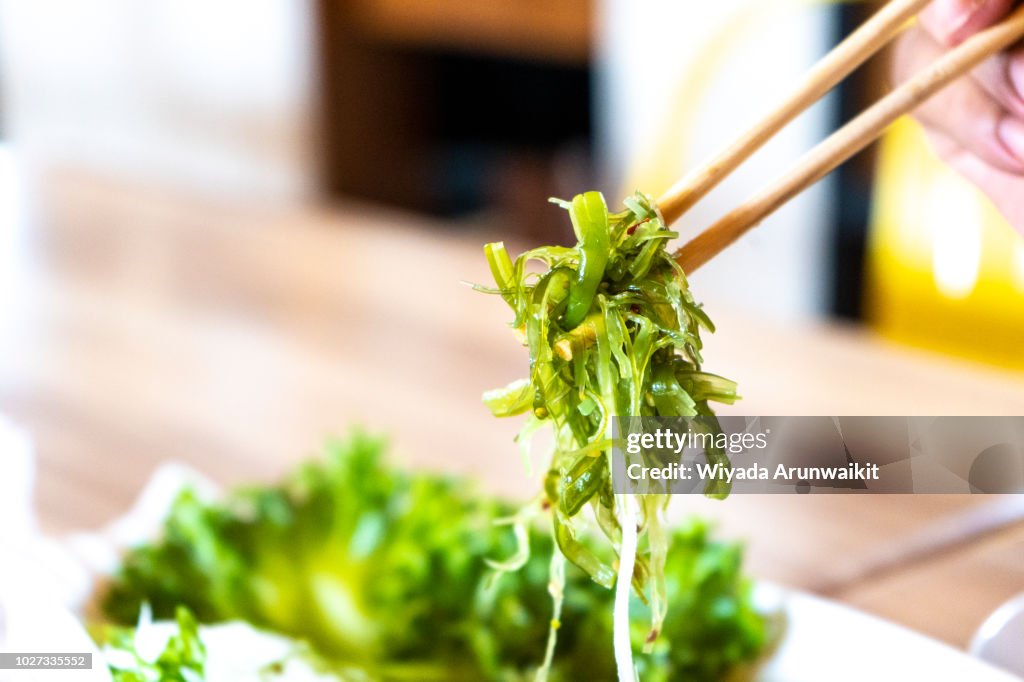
(945, 270)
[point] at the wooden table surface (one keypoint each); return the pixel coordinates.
(140, 326)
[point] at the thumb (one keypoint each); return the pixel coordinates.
(953, 21)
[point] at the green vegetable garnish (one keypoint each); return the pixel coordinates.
(183, 658)
(612, 330)
(590, 222)
(386, 574)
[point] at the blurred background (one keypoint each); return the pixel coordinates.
(477, 112)
(127, 129)
(229, 228)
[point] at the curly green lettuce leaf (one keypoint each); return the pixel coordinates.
(181, 650)
(182, 657)
(387, 574)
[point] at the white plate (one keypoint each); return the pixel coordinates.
(824, 642)
(829, 642)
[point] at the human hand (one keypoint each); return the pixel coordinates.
(977, 123)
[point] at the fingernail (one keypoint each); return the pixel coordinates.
(1011, 133)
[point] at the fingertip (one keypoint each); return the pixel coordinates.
(953, 21)
(1015, 70)
(947, 19)
(1010, 132)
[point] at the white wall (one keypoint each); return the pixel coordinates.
(651, 48)
(215, 94)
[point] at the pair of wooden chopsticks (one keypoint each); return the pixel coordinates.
(847, 141)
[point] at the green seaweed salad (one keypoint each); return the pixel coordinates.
(612, 330)
(379, 575)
